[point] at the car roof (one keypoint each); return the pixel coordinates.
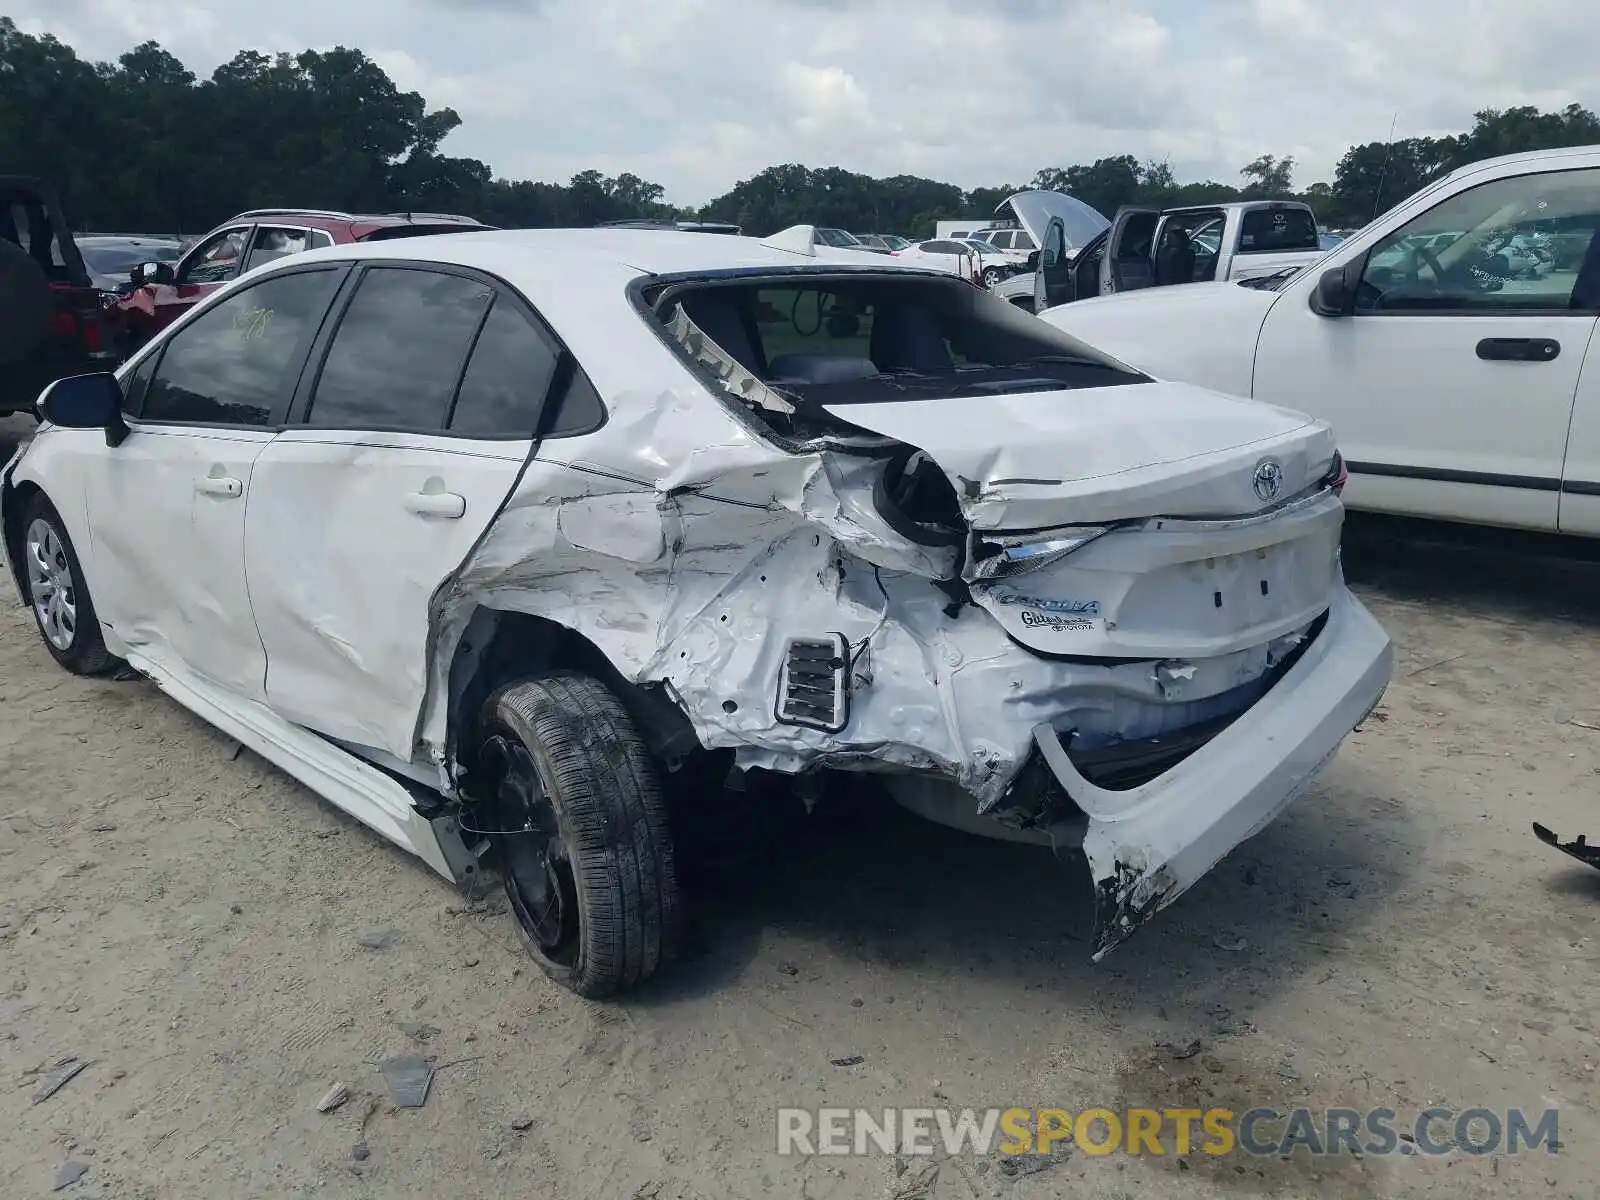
(358, 225)
(628, 252)
(1525, 156)
(578, 279)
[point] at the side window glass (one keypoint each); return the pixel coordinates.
(507, 377)
(272, 244)
(1510, 245)
(216, 260)
(137, 383)
(1055, 245)
(578, 410)
(236, 362)
(320, 238)
(25, 221)
(399, 350)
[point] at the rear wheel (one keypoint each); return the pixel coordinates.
(58, 595)
(573, 802)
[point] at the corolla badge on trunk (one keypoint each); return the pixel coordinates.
(1086, 608)
(1268, 479)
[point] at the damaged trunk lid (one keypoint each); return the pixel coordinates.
(1036, 459)
(1155, 520)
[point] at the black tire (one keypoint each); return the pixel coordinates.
(85, 652)
(25, 304)
(576, 802)
(993, 277)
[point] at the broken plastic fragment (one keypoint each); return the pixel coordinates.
(58, 1079)
(408, 1077)
(1579, 849)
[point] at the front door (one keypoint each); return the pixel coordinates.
(1052, 279)
(1129, 261)
(1451, 381)
(362, 510)
(200, 272)
(166, 507)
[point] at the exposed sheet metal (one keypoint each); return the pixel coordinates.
(693, 552)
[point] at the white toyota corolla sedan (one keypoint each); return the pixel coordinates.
(494, 539)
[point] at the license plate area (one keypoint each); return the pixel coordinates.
(1174, 591)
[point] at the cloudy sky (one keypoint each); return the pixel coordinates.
(696, 94)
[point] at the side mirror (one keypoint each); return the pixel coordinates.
(1033, 260)
(152, 272)
(1335, 294)
(86, 402)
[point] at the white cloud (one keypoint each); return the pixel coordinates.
(699, 93)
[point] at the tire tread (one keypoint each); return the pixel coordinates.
(609, 802)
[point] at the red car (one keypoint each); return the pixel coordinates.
(163, 292)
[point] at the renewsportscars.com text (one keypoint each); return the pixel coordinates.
(1261, 1131)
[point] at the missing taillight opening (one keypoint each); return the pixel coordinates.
(1338, 474)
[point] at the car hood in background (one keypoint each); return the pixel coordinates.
(1033, 211)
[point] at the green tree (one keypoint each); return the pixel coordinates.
(142, 144)
(1268, 176)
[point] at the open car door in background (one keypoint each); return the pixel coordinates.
(1130, 243)
(1052, 279)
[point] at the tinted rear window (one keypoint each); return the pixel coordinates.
(1274, 230)
(399, 350)
(507, 377)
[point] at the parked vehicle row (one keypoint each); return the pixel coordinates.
(545, 535)
(1145, 247)
(161, 290)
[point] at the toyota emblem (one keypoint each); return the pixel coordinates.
(1268, 480)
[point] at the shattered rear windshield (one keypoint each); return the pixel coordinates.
(787, 346)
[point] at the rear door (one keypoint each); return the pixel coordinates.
(416, 416)
(272, 242)
(1127, 264)
(1271, 237)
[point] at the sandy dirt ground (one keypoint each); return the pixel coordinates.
(188, 921)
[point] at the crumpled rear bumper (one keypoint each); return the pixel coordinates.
(1147, 845)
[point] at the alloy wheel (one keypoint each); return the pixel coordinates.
(533, 856)
(50, 585)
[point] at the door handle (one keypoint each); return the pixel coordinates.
(220, 485)
(437, 504)
(1519, 349)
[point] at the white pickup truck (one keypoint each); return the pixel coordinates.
(1459, 386)
(1148, 247)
